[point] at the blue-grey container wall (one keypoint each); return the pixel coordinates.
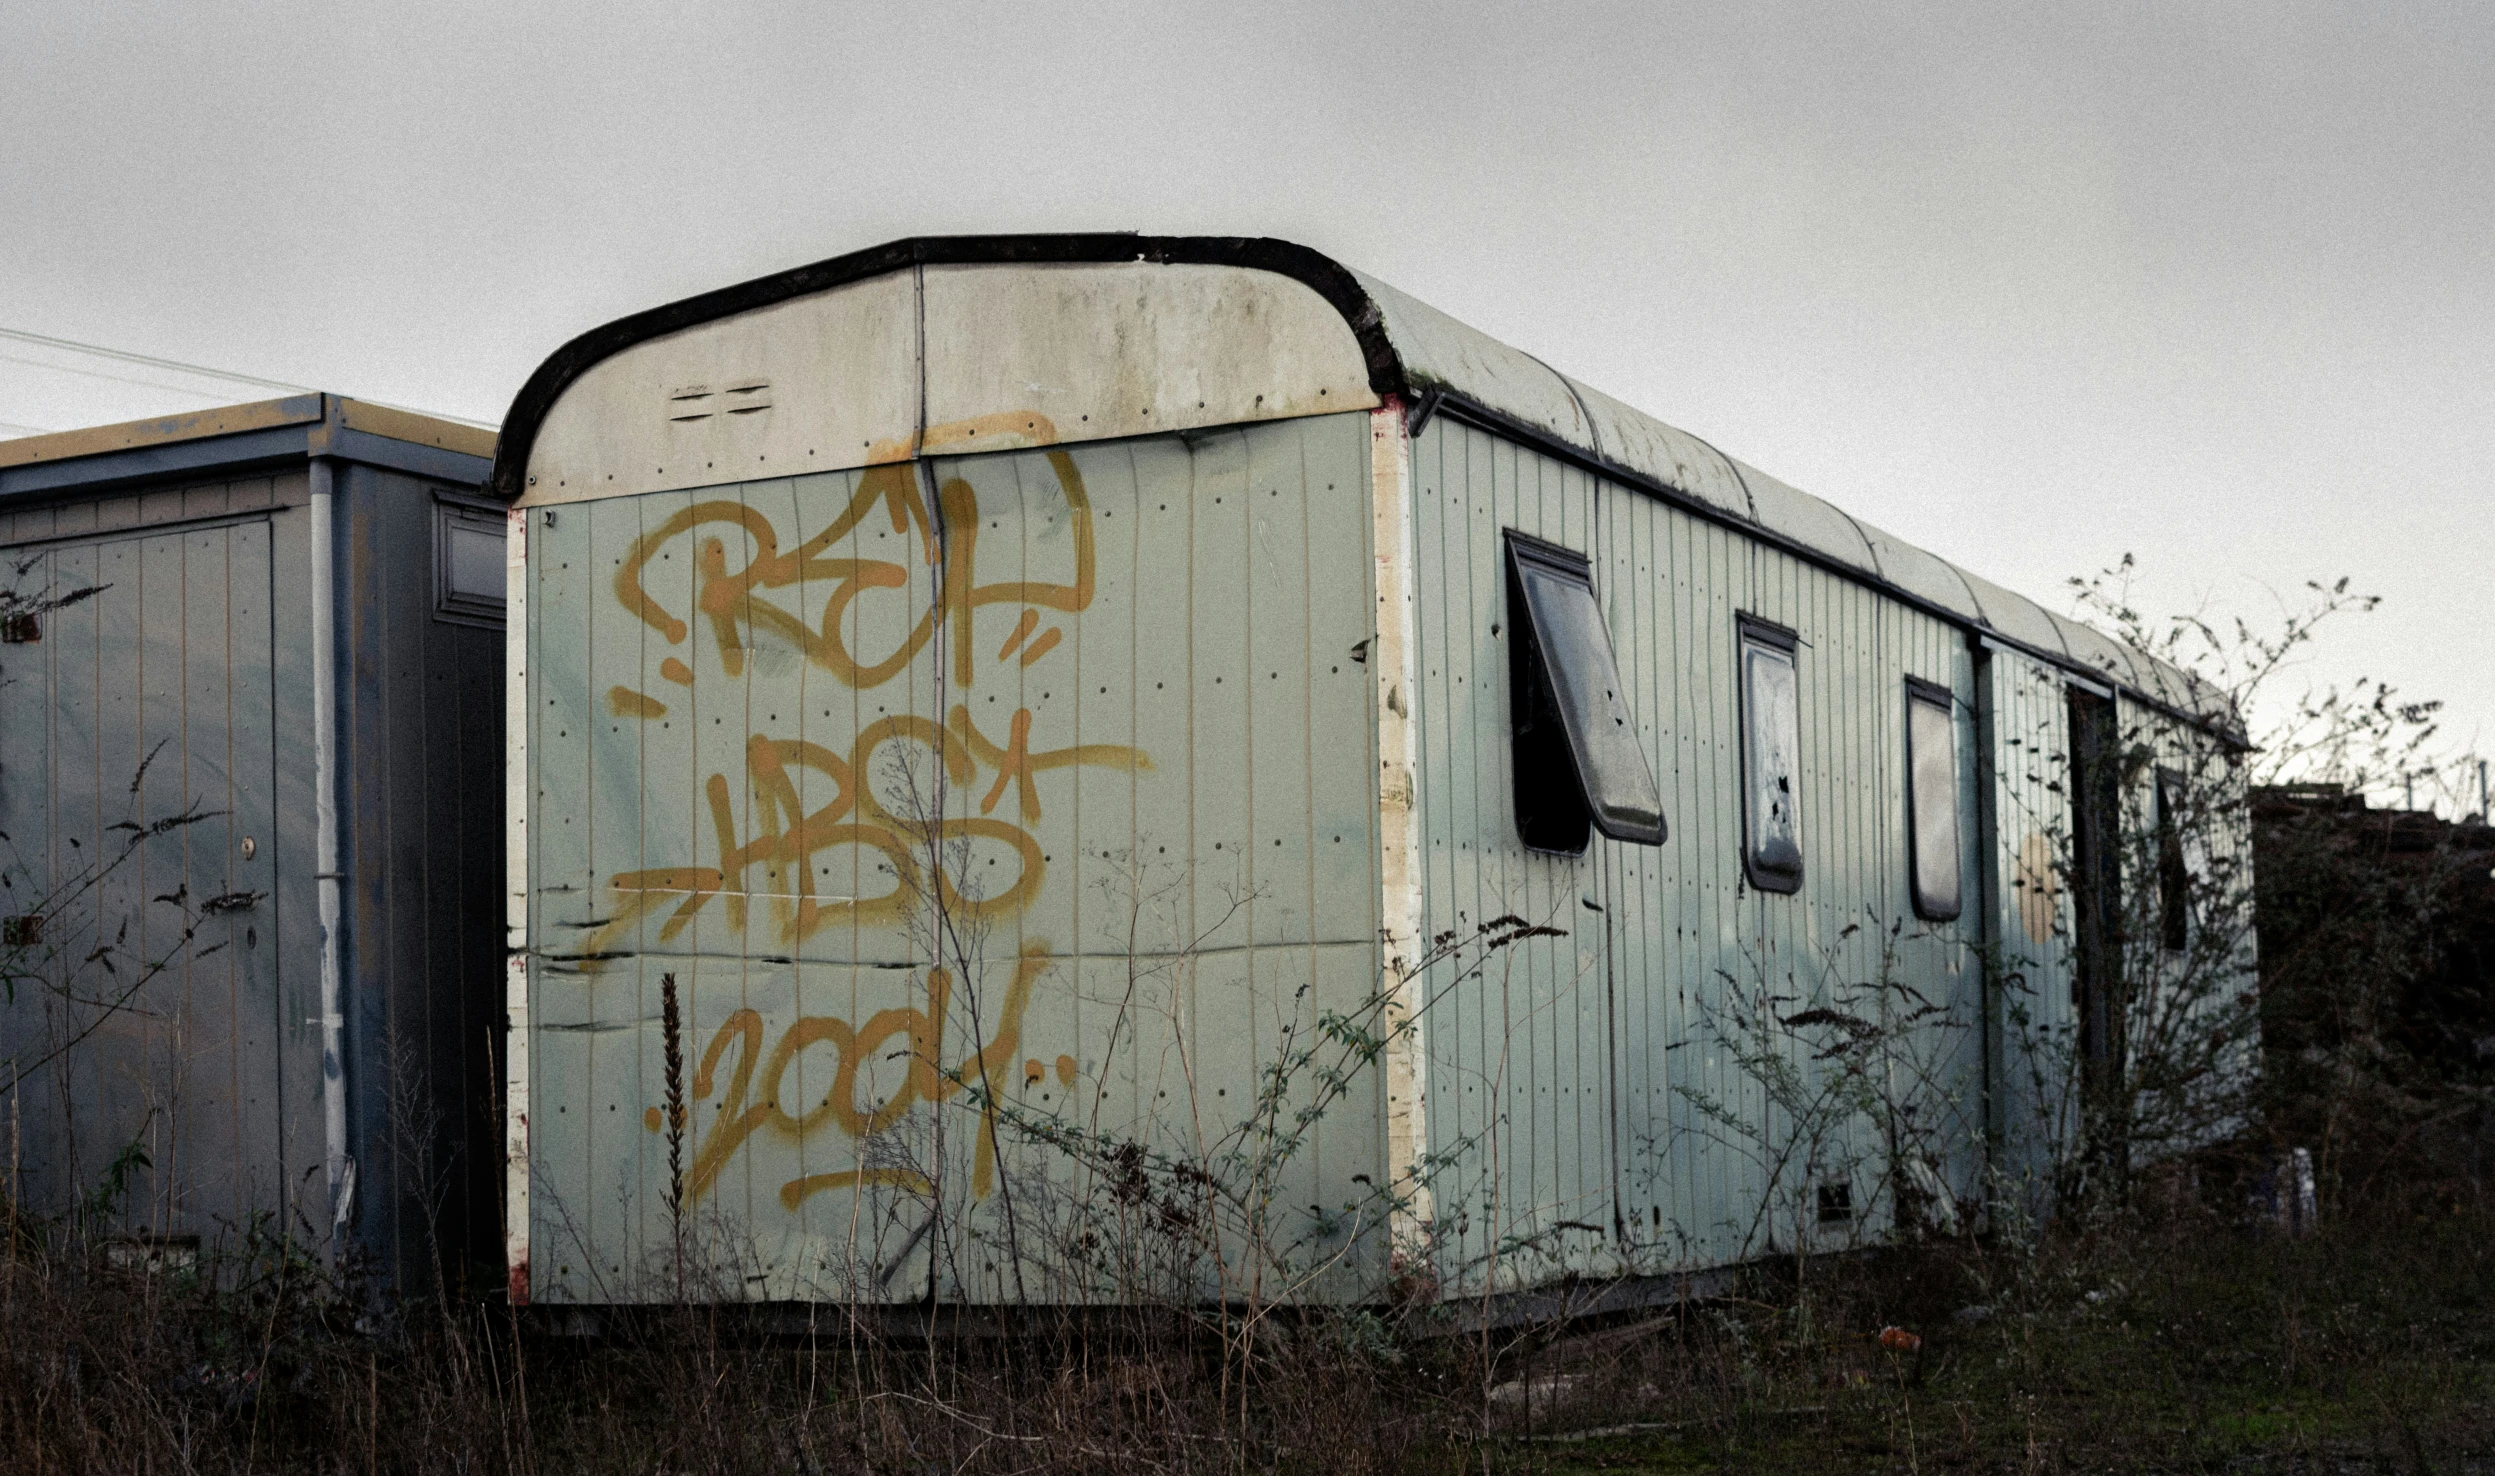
(189, 669)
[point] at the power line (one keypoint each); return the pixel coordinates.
(149, 361)
(155, 384)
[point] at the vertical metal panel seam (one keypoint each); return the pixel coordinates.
(340, 1168)
(1400, 819)
(516, 781)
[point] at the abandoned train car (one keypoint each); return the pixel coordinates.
(250, 831)
(994, 717)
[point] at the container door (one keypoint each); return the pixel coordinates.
(2096, 908)
(1639, 885)
(136, 840)
(2031, 1016)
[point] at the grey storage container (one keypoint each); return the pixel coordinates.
(250, 830)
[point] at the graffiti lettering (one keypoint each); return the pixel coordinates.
(781, 838)
(731, 600)
(749, 1105)
(867, 807)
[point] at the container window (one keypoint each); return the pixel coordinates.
(467, 562)
(1771, 746)
(1932, 791)
(2174, 868)
(1578, 762)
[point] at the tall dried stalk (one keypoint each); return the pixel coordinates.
(672, 1020)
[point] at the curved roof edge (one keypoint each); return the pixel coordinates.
(1414, 351)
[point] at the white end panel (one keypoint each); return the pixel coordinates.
(813, 384)
(1014, 357)
(1096, 351)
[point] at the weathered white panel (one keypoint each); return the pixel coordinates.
(1806, 520)
(2097, 652)
(1674, 457)
(811, 384)
(2014, 616)
(1440, 352)
(1129, 349)
(1013, 356)
(1919, 573)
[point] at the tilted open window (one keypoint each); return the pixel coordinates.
(1771, 757)
(1932, 791)
(1577, 756)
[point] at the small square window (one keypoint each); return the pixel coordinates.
(1771, 757)
(468, 571)
(1932, 791)
(1578, 762)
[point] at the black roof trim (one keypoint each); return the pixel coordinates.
(1326, 276)
(1464, 409)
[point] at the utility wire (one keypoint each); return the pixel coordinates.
(149, 361)
(72, 345)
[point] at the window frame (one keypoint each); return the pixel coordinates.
(1750, 631)
(1920, 692)
(453, 514)
(1549, 760)
(2174, 865)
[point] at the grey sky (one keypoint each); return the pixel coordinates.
(2209, 283)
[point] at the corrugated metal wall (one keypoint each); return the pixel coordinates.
(2176, 997)
(420, 748)
(1571, 1086)
(194, 660)
(152, 701)
(2034, 1016)
(743, 696)
(1142, 713)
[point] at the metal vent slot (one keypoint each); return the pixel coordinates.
(692, 402)
(748, 397)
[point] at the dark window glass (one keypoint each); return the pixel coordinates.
(468, 569)
(1771, 744)
(1577, 756)
(2174, 869)
(1932, 801)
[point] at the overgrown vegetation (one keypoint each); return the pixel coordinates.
(2160, 1317)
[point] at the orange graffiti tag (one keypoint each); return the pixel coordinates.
(786, 839)
(732, 599)
(750, 1105)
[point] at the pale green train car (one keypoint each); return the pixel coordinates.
(1021, 749)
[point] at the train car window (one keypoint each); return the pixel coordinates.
(1932, 791)
(1771, 749)
(2174, 868)
(1578, 761)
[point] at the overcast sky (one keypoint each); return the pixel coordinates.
(2033, 287)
